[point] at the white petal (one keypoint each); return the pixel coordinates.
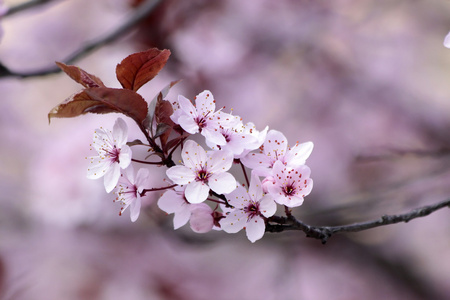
(125, 156)
(237, 198)
(213, 135)
(97, 167)
(188, 123)
(267, 206)
(205, 103)
(256, 160)
(447, 41)
(234, 221)
(171, 202)
(201, 219)
(298, 154)
(255, 189)
(196, 192)
(181, 216)
(141, 178)
(112, 177)
(222, 183)
(135, 209)
(187, 107)
(180, 175)
(255, 229)
(220, 161)
(193, 155)
(120, 132)
(275, 144)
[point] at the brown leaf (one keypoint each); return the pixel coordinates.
(139, 68)
(81, 76)
(102, 100)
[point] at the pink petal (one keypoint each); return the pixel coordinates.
(188, 123)
(180, 175)
(255, 189)
(298, 154)
(171, 202)
(125, 156)
(135, 209)
(213, 135)
(193, 155)
(220, 161)
(267, 206)
(97, 167)
(112, 176)
(196, 192)
(256, 160)
(237, 198)
(205, 103)
(181, 216)
(187, 107)
(141, 178)
(234, 221)
(222, 183)
(255, 229)
(120, 132)
(275, 144)
(201, 219)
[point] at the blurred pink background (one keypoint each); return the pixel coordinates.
(358, 78)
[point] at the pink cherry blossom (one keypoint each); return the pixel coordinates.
(239, 138)
(201, 118)
(203, 171)
(290, 185)
(113, 154)
(250, 208)
(202, 218)
(276, 148)
(129, 190)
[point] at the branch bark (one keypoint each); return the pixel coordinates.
(323, 233)
(139, 14)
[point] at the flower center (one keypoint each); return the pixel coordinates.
(113, 154)
(252, 210)
(203, 175)
(289, 189)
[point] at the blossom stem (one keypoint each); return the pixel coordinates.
(144, 191)
(216, 200)
(148, 162)
(245, 173)
(223, 198)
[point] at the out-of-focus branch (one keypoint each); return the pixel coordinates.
(24, 6)
(398, 153)
(323, 233)
(139, 14)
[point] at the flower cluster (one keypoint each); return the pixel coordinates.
(278, 173)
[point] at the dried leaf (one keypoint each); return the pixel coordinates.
(81, 76)
(139, 68)
(102, 100)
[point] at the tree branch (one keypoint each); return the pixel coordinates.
(24, 6)
(140, 13)
(323, 233)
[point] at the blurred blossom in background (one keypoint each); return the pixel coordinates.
(366, 81)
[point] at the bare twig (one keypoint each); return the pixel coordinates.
(323, 233)
(24, 6)
(140, 13)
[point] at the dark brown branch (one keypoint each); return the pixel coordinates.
(24, 6)
(140, 13)
(323, 233)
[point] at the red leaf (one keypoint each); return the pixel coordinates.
(102, 100)
(139, 68)
(81, 76)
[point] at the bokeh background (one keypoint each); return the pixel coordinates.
(367, 81)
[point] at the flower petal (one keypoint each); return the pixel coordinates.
(181, 216)
(193, 155)
(120, 133)
(267, 206)
(255, 190)
(196, 192)
(180, 175)
(213, 135)
(275, 144)
(222, 183)
(135, 209)
(255, 229)
(97, 167)
(234, 221)
(220, 161)
(171, 202)
(201, 219)
(204, 103)
(298, 154)
(188, 124)
(112, 176)
(125, 156)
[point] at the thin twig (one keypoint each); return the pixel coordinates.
(24, 6)
(139, 14)
(323, 233)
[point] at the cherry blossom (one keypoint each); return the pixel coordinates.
(202, 117)
(250, 208)
(240, 139)
(290, 185)
(129, 190)
(113, 154)
(203, 171)
(276, 148)
(202, 218)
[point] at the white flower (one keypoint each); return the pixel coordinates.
(275, 148)
(249, 209)
(129, 190)
(203, 171)
(202, 117)
(113, 154)
(447, 40)
(290, 185)
(239, 138)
